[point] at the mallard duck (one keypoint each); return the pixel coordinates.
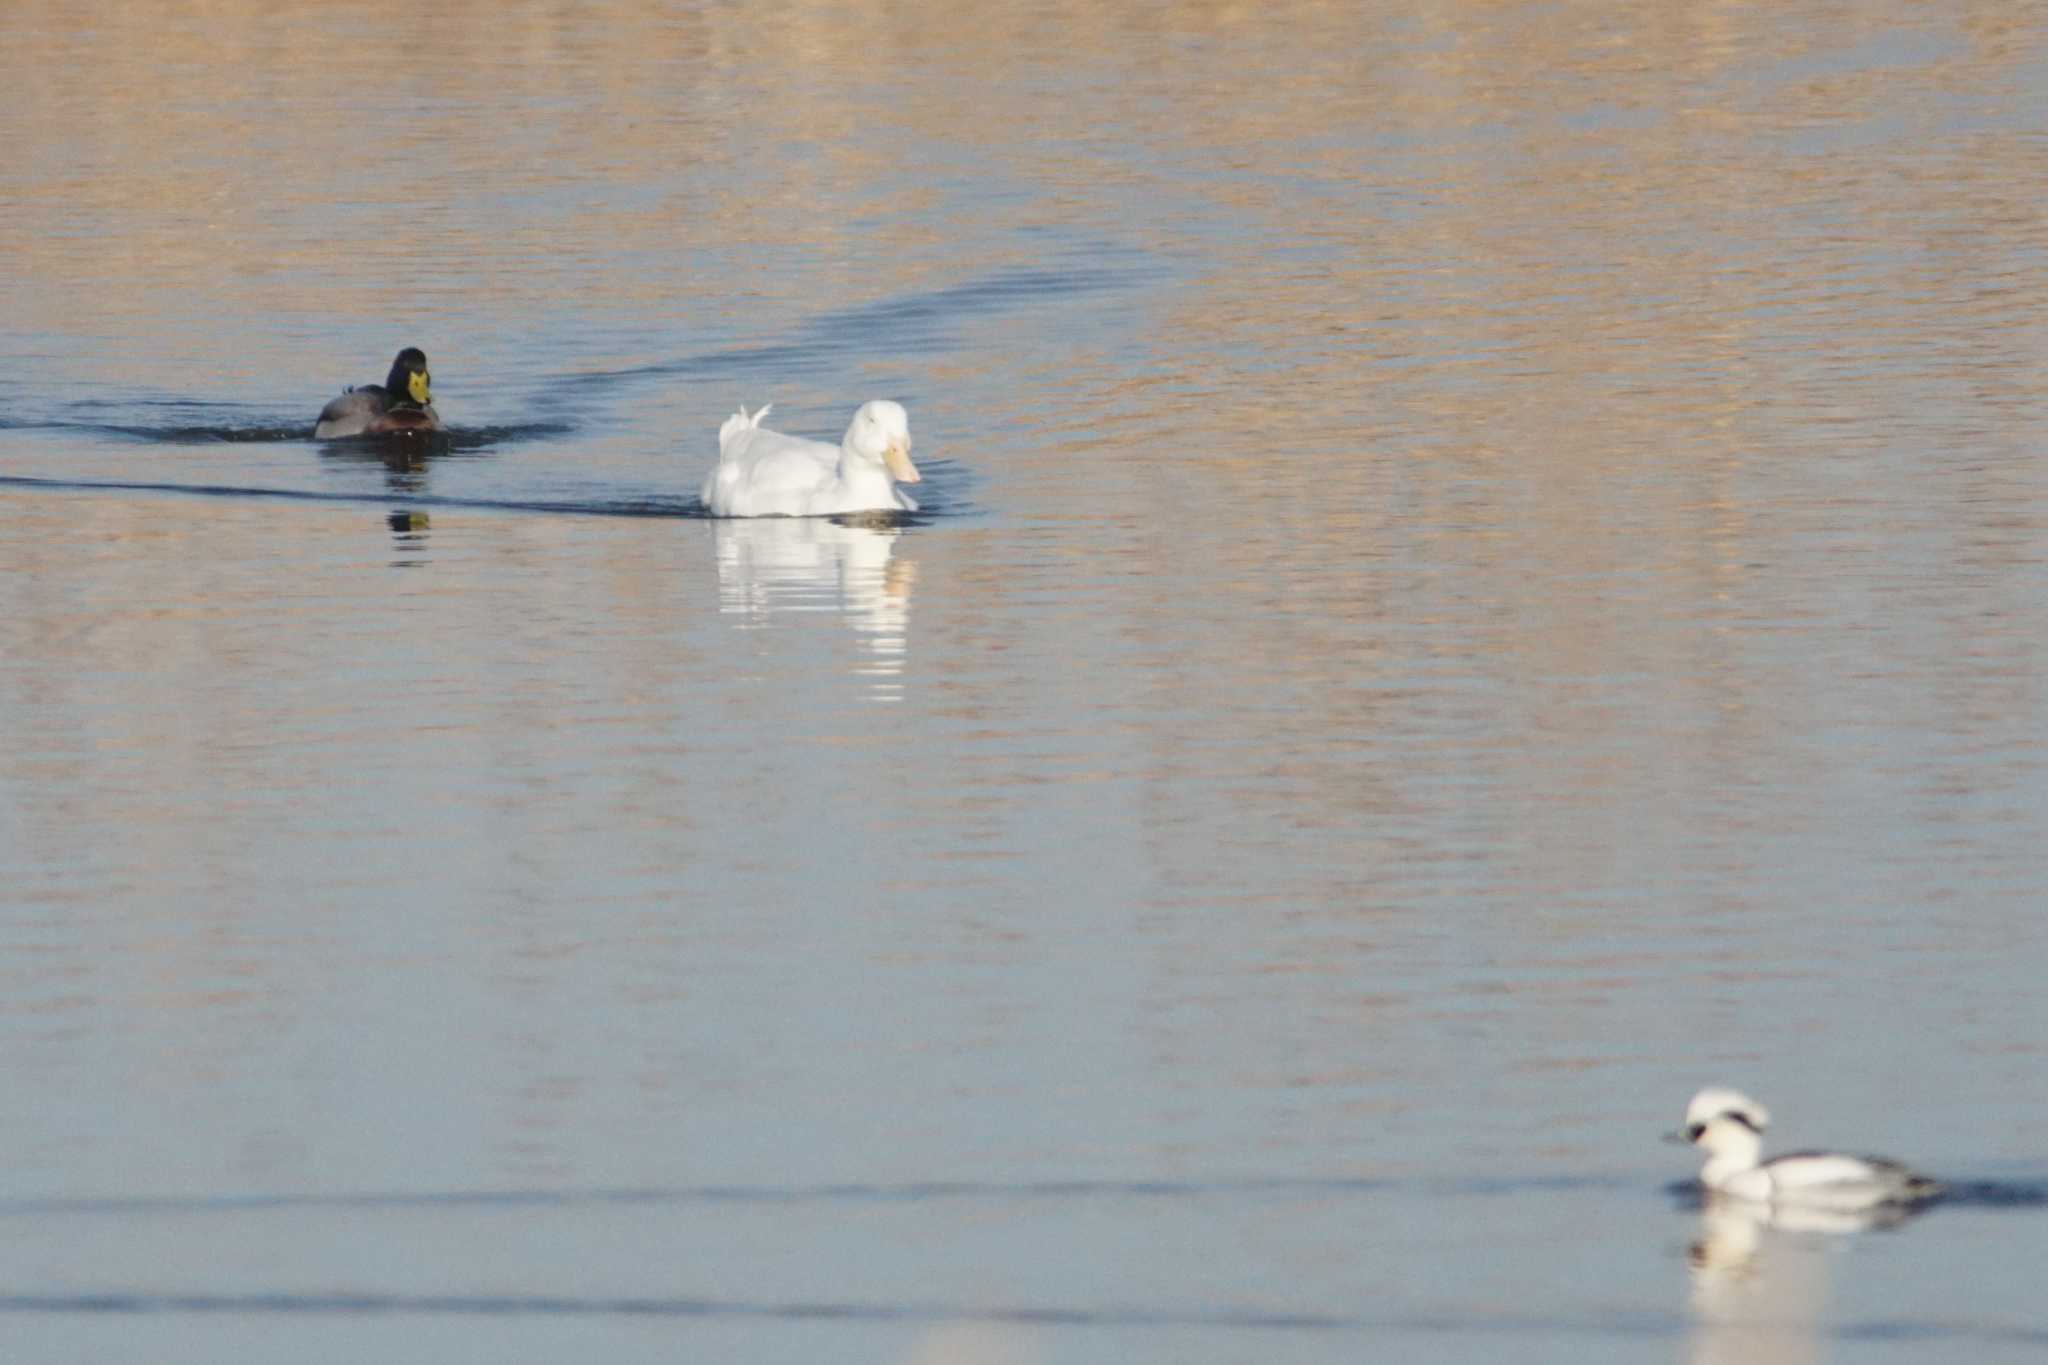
(403, 402)
(763, 473)
(1728, 1126)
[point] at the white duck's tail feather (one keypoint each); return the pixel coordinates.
(737, 424)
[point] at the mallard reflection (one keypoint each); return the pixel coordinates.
(844, 564)
(408, 537)
(404, 459)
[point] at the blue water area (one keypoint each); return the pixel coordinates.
(1477, 570)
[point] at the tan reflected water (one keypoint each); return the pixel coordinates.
(1479, 562)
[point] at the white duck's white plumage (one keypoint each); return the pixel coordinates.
(1728, 1126)
(763, 473)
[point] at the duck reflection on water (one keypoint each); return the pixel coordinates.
(1760, 1276)
(773, 565)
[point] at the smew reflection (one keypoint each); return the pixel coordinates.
(1760, 1276)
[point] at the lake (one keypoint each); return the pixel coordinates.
(1482, 567)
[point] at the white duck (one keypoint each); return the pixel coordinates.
(1728, 1126)
(763, 473)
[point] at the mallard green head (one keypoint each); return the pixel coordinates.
(408, 381)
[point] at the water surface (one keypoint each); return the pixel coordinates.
(1482, 568)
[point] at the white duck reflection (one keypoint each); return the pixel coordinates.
(1760, 1276)
(784, 564)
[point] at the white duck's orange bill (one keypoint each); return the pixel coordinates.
(897, 459)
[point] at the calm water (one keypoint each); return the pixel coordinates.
(1485, 565)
